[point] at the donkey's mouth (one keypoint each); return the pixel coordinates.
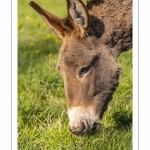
(95, 128)
(85, 128)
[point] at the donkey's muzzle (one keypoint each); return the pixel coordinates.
(85, 128)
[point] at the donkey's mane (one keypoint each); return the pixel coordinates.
(91, 3)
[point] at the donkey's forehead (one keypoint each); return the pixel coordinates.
(73, 43)
(74, 56)
(75, 51)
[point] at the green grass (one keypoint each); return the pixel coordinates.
(42, 112)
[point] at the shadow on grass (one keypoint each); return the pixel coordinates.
(123, 120)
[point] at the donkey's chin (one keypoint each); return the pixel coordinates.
(83, 121)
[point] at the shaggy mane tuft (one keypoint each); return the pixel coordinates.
(90, 3)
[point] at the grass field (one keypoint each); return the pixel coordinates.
(42, 112)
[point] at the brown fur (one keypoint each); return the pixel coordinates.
(93, 37)
(117, 18)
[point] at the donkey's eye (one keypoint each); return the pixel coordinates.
(84, 71)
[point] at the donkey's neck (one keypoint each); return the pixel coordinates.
(112, 22)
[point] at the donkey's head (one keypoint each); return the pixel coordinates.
(89, 68)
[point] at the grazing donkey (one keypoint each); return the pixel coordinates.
(93, 37)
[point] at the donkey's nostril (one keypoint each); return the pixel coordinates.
(80, 130)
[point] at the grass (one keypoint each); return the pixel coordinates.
(42, 112)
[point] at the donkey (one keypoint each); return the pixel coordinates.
(93, 37)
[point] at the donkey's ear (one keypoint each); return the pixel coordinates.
(79, 16)
(53, 21)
